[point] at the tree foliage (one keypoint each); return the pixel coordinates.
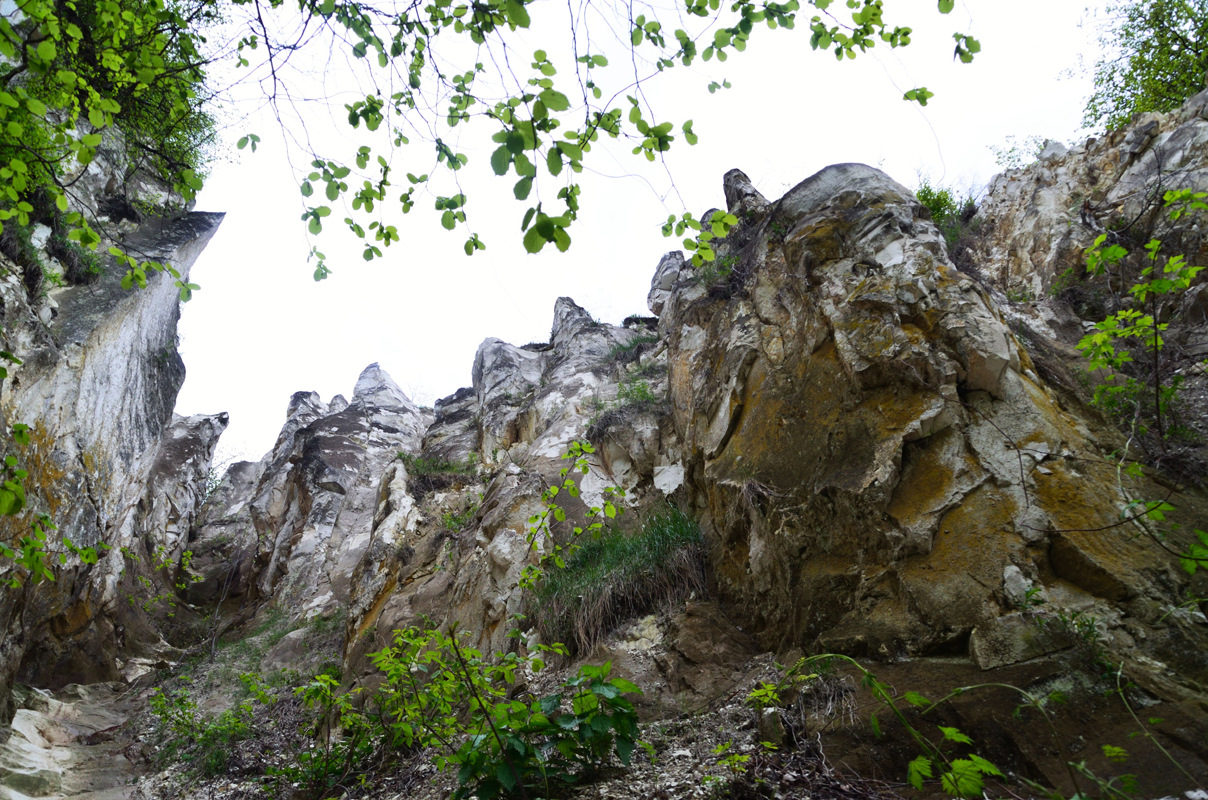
(426, 72)
(72, 69)
(1156, 57)
(416, 72)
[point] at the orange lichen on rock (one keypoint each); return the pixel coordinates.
(1092, 547)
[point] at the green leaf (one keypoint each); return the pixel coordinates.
(946, 6)
(964, 779)
(501, 159)
(625, 686)
(624, 748)
(505, 776)
(954, 735)
(554, 100)
(917, 771)
(517, 14)
(984, 766)
(522, 188)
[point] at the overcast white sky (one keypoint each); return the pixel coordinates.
(261, 328)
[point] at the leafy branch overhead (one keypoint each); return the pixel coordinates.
(434, 69)
(76, 68)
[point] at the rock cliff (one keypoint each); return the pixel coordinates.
(877, 463)
(889, 455)
(107, 459)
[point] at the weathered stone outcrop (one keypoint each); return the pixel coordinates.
(1036, 221)
(873, 453)
(879, 462)
(877, 465)
(107, 460)
(1028, 239)
(291, 530)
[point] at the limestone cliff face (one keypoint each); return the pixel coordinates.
(291, 529)
(1040, 218)
(1029, 236)
(881, 462)
(877, 465)
(108, 460)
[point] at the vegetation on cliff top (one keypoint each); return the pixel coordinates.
(1155, 57)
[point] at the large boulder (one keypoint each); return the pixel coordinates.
(871, 450)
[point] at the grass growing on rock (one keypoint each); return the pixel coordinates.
(422, 465)
(426, 474)
(619, 576)
(634, 396)
(631, 350)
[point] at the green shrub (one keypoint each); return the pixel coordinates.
(949, 212)
(456, 521)
(436, 693)
(635, 391)
(346, 740)
(619, 576)
(188, 736)
(710, 272)
(80, 265)
(955, 218)
(440, 693)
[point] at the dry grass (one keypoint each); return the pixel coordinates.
(618, 577)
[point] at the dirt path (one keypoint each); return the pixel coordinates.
(71, 744)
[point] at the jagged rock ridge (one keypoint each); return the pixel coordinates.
(882, 462)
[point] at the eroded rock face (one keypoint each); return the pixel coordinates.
(290, 530)
(107, 460)
(877, 466)
(1038, 220)
(1029, 240)
(869, 447)
(454, 553)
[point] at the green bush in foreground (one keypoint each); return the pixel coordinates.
(204, 743)
(438, 693)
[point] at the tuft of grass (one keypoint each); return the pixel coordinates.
(433, 474)
(620, 576)
(651, 323)
(624, 353)
(711, 272)
(419, 465)
(80, 265)
(634, 395)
